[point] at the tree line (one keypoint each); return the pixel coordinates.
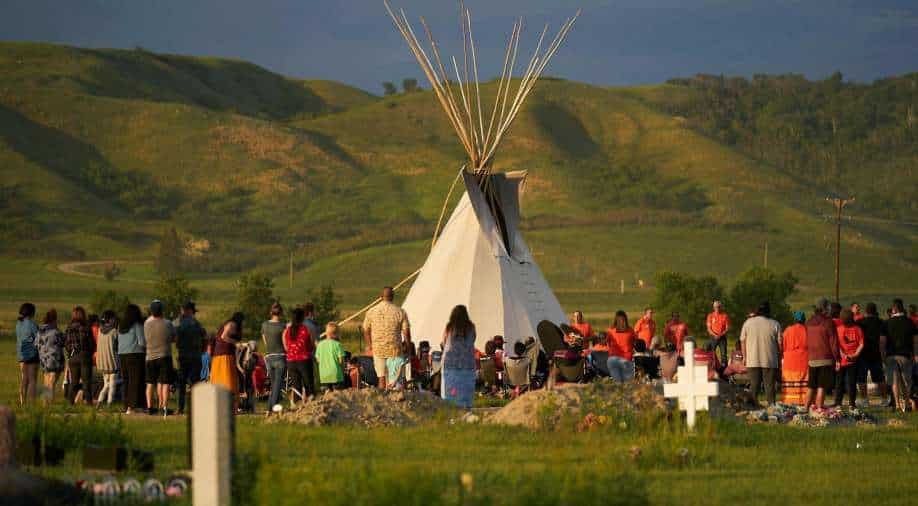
(846, 137)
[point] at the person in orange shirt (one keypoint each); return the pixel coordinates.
(675, 332)
(620, 340)
(582, 327)
(795, 361)
(718, 324)
(856, 311)
(850, 345)
(645, 328)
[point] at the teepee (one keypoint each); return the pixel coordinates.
(480, 259)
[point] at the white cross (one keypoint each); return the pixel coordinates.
(692, 388)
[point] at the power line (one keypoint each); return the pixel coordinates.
(872, 219)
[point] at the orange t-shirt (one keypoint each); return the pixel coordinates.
(584, 328)
(645, 328)
(849, 340)
(794, 346)
(675, 333)
(719, 323)
(621, 342)
(858, 317)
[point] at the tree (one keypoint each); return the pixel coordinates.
(173, 291)
(254, 296)
(389, 88)
(171, 251)
(108, 299)
(687, 295)
(326, 304)
(410, 85)
(758, 285)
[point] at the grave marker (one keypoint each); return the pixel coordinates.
(212, 443)
(692, 387)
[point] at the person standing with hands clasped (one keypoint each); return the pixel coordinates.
(761, 339)
(850, 346)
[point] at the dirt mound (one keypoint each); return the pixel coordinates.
(367, 407)
(546, 408)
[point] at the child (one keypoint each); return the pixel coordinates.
(395, 367)
(644, 363)
(330, 355)
(353, 372)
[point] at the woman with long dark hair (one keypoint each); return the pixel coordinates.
(132, 346)
(620, 339)
(51, 351)
(223, 364)
(458, 384)
(300, 346)
(80, 346)
(26, 352)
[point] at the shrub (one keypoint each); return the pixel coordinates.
(173, 291)
(690, 296)
(326, 304)
(254, 296)
(758, 285)
(108, 299)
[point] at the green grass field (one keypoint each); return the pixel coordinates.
(724, 461)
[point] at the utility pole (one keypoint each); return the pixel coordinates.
(291, 268)
(839, 204)
(766, 253)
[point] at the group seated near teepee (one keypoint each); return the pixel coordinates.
(480, 259)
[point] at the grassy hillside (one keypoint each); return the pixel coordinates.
(102, 150)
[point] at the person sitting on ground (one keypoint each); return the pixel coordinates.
(706, 356)
(669, 362)
(353, 372)
(794, 368)
(395, 368)
(620, 340)
(517, 366)
(538, 361)
(330, 355)
(850, 346)
(645, 364)
(737, 362)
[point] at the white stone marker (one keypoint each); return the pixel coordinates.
(692, 388)
(211, 444)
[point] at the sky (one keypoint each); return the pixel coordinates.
(615, 42)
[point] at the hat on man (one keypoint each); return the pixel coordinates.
(189, 306)
(799, 316)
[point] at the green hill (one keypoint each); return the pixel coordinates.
(102, 150)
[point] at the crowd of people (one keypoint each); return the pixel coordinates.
(130, 357)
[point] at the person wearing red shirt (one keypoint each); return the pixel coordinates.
(646, 328)
(582, 327)
(300, 346)
(850, 345)
(675, 332)
(856, 311)
(620, 340)
(913, 313)
(718, 324)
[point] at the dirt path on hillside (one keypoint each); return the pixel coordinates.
(76, 268)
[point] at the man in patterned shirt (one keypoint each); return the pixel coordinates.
(385, 327)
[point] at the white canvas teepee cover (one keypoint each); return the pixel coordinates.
(504, 291)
